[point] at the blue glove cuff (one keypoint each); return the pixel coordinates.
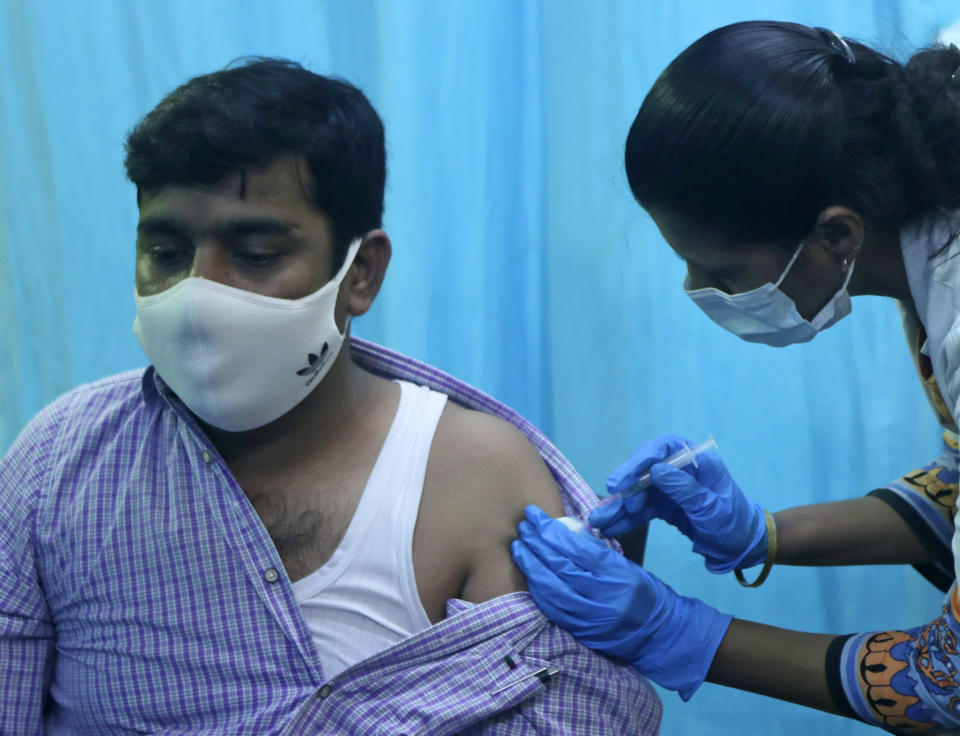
(688, 640)
(758, 554)
(718, 629)
(754, 553)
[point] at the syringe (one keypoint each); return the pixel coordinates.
(680, 459)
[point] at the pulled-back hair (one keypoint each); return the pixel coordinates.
(758, 126)
(218, 124)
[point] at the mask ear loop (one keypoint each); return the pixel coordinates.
(793, 258)
(348, 260)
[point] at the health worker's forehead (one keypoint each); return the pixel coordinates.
(711, 251)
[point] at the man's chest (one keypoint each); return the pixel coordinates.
(307, 524)
(306, 517)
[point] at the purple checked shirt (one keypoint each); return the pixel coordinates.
(140, 593)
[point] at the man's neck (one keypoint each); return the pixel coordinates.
(332, 413)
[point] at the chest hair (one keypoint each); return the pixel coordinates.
(306, 527)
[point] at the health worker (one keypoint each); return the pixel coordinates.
(791, 168)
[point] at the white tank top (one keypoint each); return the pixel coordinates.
(365, 598)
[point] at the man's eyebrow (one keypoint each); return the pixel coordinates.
(160, 226)
(254, 226)
(229, 229)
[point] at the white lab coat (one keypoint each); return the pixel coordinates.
(933, 274)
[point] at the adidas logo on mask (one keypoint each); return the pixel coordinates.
(314, 364)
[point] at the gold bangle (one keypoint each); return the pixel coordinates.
(771, 555)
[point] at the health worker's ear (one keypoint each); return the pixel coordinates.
(365, 277)
(840, 231)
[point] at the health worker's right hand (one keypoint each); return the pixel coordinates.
(616, 607)
(704, 503)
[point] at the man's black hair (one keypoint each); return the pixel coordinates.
(218, 124)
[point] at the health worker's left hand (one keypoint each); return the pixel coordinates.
(616, 607)
(704, 503)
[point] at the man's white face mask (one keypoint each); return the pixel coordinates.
(236, 359)
(766, 314)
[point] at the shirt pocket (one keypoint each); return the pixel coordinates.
(523, 678)
(519, 679)
(474, 674)
(500, 710)
(477, 690)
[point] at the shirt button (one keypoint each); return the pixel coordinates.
(325, 691)
(207, 456)
(271, 575)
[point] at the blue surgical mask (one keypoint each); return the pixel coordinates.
(766, 314)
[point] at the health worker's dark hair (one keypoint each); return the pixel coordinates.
(218, 124)
(758, 126)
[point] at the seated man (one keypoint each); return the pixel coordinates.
(261, 533)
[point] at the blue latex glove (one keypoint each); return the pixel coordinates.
(615, 606)
(703, 502)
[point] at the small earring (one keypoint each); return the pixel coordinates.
(844, 266)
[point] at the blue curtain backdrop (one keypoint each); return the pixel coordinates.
(521, 263)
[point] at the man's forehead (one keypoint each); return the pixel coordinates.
(283, 181)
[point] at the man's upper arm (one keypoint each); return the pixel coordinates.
(26, 631)
(492, 472)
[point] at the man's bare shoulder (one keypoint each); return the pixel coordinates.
(483, 453)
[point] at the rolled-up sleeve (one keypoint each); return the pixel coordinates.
(926, 499)
(904, 681)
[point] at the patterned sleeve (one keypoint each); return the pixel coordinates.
(905, 681)
(926, 499)
(26, 631)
